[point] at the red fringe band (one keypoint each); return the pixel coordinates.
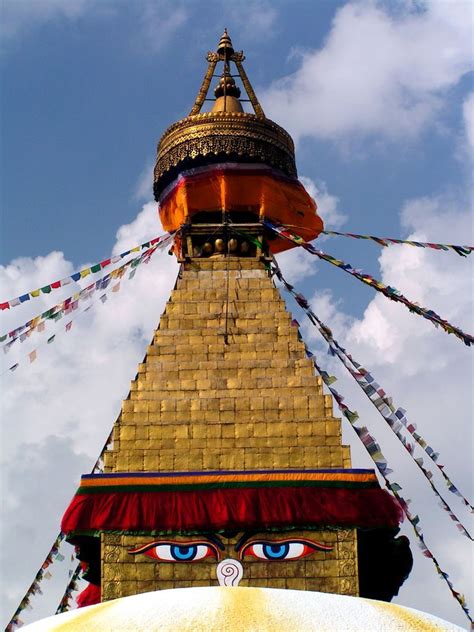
(230, 509)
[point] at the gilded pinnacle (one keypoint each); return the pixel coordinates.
(225, 45)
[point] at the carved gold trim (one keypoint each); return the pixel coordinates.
(238, 133)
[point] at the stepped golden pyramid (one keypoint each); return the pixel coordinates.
(227, 465)
(201, 404)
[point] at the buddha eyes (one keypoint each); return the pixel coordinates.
(195, 551)
(281, 549)
(178, 551)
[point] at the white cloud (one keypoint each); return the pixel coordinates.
(427, 372)
(144, 227)
(379, 72)
(144, 186)
(25, 540)
(24, 274)
(58, 411)
(468, 116)
(442, 283)
(297, 261)
(63, 406)
(327, 204)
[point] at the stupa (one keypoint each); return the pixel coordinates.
(227, 464)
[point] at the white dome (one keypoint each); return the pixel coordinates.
(216, 609)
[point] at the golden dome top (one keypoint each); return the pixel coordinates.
(227, 95)
(227, 132)
(227, 87)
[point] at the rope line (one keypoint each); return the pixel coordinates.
(390, 292)
(52, 555)
(374, 451)
(462, 251)
(76, 276)
(395, 418)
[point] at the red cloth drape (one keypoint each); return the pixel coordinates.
(230, 509)
(89, 596)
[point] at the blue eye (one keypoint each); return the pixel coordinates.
(282, 549)
(183, 553)
(177, 551)
(276, 551)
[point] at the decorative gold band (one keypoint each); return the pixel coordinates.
(230, 133)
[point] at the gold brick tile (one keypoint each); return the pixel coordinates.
(127, 433)
(255, 403)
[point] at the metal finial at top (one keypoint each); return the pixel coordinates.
(226, 54)
(225, 45)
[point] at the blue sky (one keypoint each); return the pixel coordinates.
(379, 99)
(86, 96)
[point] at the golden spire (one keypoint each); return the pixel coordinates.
(226, 129)
(225, 47)
(227, 93)
(225, 53)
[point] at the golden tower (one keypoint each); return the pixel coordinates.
(226, 446)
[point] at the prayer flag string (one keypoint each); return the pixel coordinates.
(34, 589)
(72, 586)
(71, 303)
(462, 251)
(53, 555)
(384, 405)
(375, 453)
(32, 356)
(80, 275)
(390, 292)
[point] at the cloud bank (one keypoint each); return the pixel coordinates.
(384, 70)
(58, 411)
(428, 373)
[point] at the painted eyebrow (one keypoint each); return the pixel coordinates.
(240, 543)
(207, 538)
(215, 540)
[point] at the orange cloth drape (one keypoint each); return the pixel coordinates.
(245, 188)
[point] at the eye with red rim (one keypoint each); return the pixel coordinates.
(278, 550)
(169, 551)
